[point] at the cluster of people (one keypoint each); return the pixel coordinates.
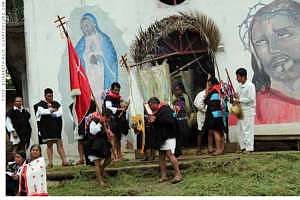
(212, 113)
(27, 176)
(99, 136)
(167, 128)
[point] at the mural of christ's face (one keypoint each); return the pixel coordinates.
(87, 26)
(276, 42)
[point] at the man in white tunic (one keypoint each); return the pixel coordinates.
(201, 110)
(246, 96)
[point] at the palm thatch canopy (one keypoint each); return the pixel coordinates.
(147, 41)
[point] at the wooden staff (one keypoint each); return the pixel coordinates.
(98, 109)
(166, 56)
(230, 80)
(218, 71)
(185, 66)
(124, 62)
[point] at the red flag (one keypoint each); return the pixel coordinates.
(79, 83)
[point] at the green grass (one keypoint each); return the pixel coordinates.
(261, 174)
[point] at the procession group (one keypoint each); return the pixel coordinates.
(99, 134)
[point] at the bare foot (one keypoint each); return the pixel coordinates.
(102, 183)
(210, 150)
(163, 179)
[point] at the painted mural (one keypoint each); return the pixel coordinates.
(271, 32)
(98, 41)
(97, 54)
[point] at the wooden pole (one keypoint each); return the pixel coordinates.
(217, 68)
(61, 24)
(124, 61)
(185, 66)
(166, 56)
(229, 80)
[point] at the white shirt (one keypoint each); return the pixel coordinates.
(42, 111)
(108, 105)
(8, 123)
(201, 107)
(95, 128)
(10, 128)
(247, 96)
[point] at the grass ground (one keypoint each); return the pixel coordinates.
(255, 174)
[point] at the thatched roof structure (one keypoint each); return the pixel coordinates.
(146, 42)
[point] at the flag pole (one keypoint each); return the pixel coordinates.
(124, 62)
(229, 80)
(61, 24)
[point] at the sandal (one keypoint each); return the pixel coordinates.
(176, 179)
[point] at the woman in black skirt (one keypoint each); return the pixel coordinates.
(214, 116)
(183, 107)
(98, 143)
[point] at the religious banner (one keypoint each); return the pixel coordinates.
(79, 83)
(155, 81)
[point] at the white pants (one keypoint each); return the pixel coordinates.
(246, 128)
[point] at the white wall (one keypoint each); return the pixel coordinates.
(46, 50)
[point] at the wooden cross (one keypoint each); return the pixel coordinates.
(123, 62)
(61, 24)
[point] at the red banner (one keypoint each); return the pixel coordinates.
(79, 83)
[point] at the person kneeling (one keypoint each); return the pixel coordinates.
(98, 144)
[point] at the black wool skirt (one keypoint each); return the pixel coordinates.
(99, 147)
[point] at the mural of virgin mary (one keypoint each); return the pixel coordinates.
(97, 55)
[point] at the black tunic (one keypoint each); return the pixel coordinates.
(20, 122)
(12, 185)
(49, 126)
(164, 125)
(98, 145)
(149, 134)
(214, 113)
(119, 124)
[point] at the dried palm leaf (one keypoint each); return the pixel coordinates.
(146, 41)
